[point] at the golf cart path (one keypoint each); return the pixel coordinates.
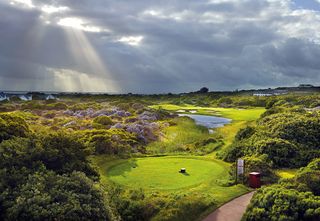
(231, 211)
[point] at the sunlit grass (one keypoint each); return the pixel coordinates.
(286, 173)
(207, 178)
(231, 113)
(163, 172)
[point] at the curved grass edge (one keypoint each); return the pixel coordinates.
(104, 168)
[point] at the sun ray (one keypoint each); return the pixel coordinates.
(94, 74)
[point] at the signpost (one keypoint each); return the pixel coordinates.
(239, 168)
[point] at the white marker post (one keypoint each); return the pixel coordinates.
(240, 168)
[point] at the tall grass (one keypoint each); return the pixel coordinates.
(183, 137)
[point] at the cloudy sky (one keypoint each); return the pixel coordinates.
(146, 46)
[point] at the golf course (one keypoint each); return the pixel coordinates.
(207, 180)
(159, 157)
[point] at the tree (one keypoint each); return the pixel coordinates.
(204, 90)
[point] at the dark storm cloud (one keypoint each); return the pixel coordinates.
(158, 46)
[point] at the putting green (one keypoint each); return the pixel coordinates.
(163, 172)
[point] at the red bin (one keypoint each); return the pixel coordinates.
(254, 180)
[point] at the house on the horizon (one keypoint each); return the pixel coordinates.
(51, 97)
(270, 92)
(27, 97)
(306, 85)
(262, 94)
(3, 97)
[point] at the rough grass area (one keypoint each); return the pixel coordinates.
(163, 172)
(240, 119)
(183, 137)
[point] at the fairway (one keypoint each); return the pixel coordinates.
(235, 114)
(163, 172)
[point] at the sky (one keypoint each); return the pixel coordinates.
(147, 46)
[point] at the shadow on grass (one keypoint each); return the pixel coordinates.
(185, 173)
(121, 169)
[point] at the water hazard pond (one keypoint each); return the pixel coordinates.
(208, 121)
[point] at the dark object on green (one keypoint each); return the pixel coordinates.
(254, 180)
(183, 170)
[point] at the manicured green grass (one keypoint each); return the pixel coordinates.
(204, 175)
(163, 172)
(207, 180)
(231, 113)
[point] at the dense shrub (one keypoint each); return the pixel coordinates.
(58, 152)
(65, 153)
(12, 126)
(245, 133)
(310, 176)
(279, 203)
(102, 122)
(39, 180)
(47, 196)
(289, 139)
(132, 205)
(113, 141)
(57, 106)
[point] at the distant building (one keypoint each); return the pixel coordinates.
(50, 97)
(306, 85)
(3, 97)
(25, 97)
(270, 92)
(262, 94)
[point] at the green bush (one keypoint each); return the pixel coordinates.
(39, 179)
(310, 176)
(133, 205)
(12, 126)
(279, 203)
(102, 122)
(47, 196)
(113, 141)
(57, 106)
(289, 139)
(245, 133)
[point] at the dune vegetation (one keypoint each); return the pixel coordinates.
(117, 157)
